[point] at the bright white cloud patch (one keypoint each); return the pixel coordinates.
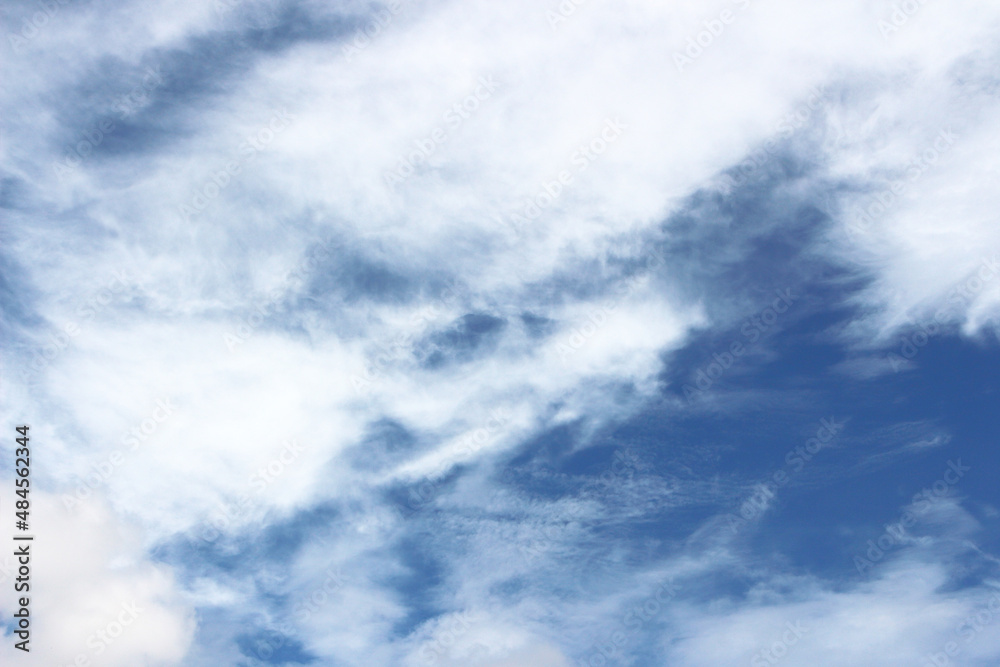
(96, 594)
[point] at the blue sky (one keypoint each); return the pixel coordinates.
(492, 334)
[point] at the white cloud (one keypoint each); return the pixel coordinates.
(95, 593)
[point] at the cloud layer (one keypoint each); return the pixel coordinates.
(407, 334)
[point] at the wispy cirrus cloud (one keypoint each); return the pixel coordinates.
(279, 287)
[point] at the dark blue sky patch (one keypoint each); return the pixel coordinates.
(16, 312)
(420, 584)
(470, 335)
(354, 277)
(537, 327)
(14, 192)
(856, 482)
(731, 252)
(383, 446)
(547, 449)
(274, 648)
(210, 551)
(207, 68)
